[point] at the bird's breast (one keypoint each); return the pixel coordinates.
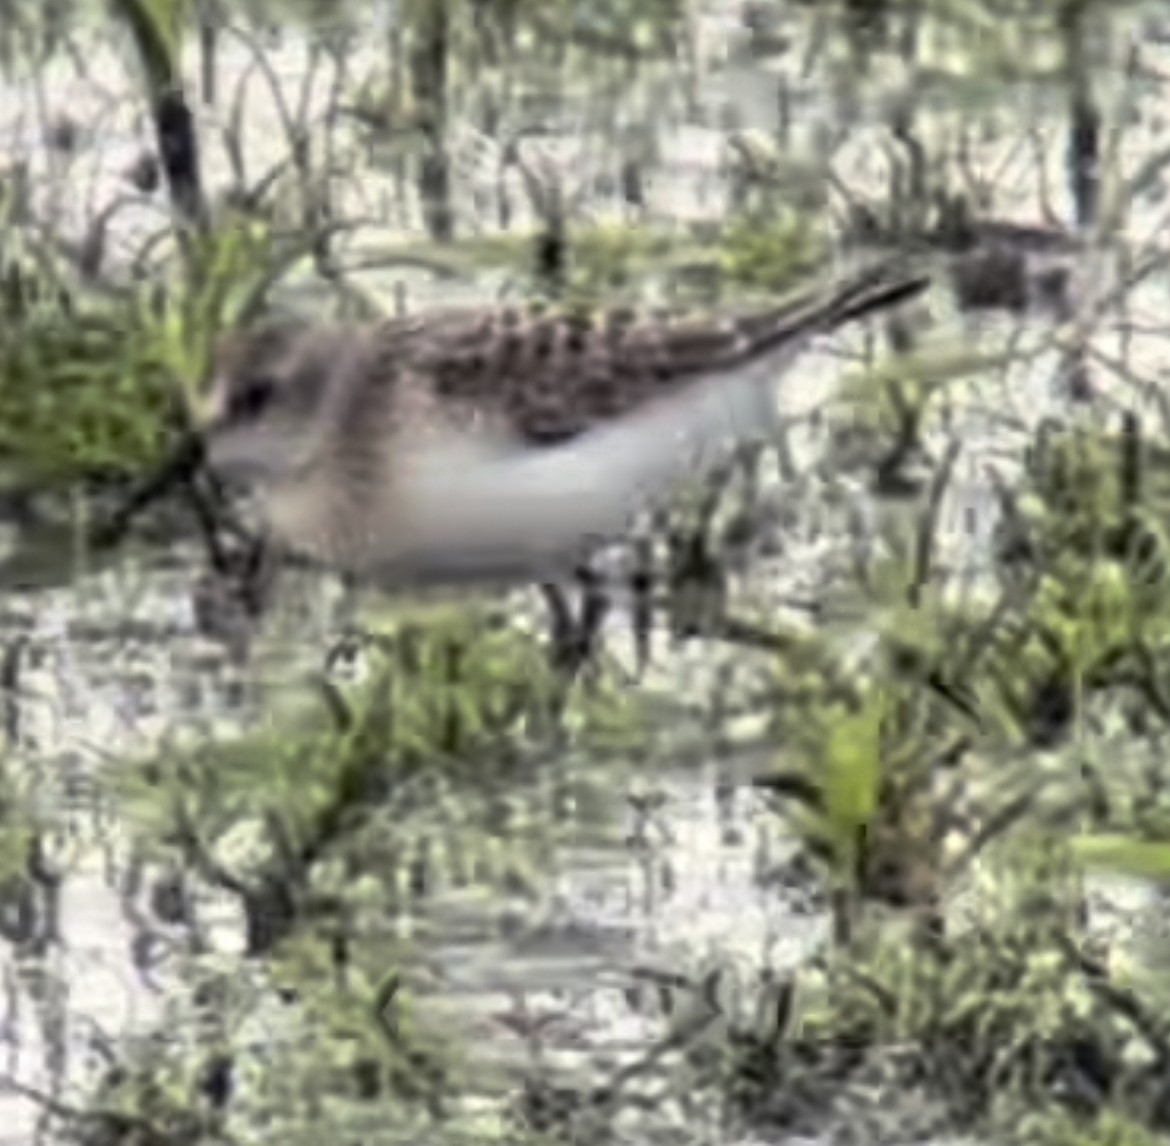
(305, 516)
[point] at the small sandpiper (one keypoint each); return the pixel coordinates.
(499, 446)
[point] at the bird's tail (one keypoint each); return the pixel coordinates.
(823, 308)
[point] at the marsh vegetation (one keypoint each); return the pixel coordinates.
(927, 633)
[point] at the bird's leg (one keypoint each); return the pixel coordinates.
(697, 585)
(594, 609)
(259, 571)
(642, 601)
(562, 640)
(234, 592)
(574, 639)
(739, 531)
(695, 581)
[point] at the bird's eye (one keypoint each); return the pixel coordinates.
(252, 398)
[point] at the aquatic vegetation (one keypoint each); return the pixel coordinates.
(952, 786)
(770, 251)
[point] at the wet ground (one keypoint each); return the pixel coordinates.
(112, 663)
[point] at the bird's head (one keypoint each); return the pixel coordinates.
(263, 419)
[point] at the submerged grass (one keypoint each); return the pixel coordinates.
(1010, 1011)
(452, 770)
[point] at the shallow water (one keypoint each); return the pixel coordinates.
(113, 662)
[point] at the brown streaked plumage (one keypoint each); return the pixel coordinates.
(498, 444)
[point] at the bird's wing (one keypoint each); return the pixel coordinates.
(553, 375)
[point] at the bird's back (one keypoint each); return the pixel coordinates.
(551, 375)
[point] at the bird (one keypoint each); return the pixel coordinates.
(499, 445)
